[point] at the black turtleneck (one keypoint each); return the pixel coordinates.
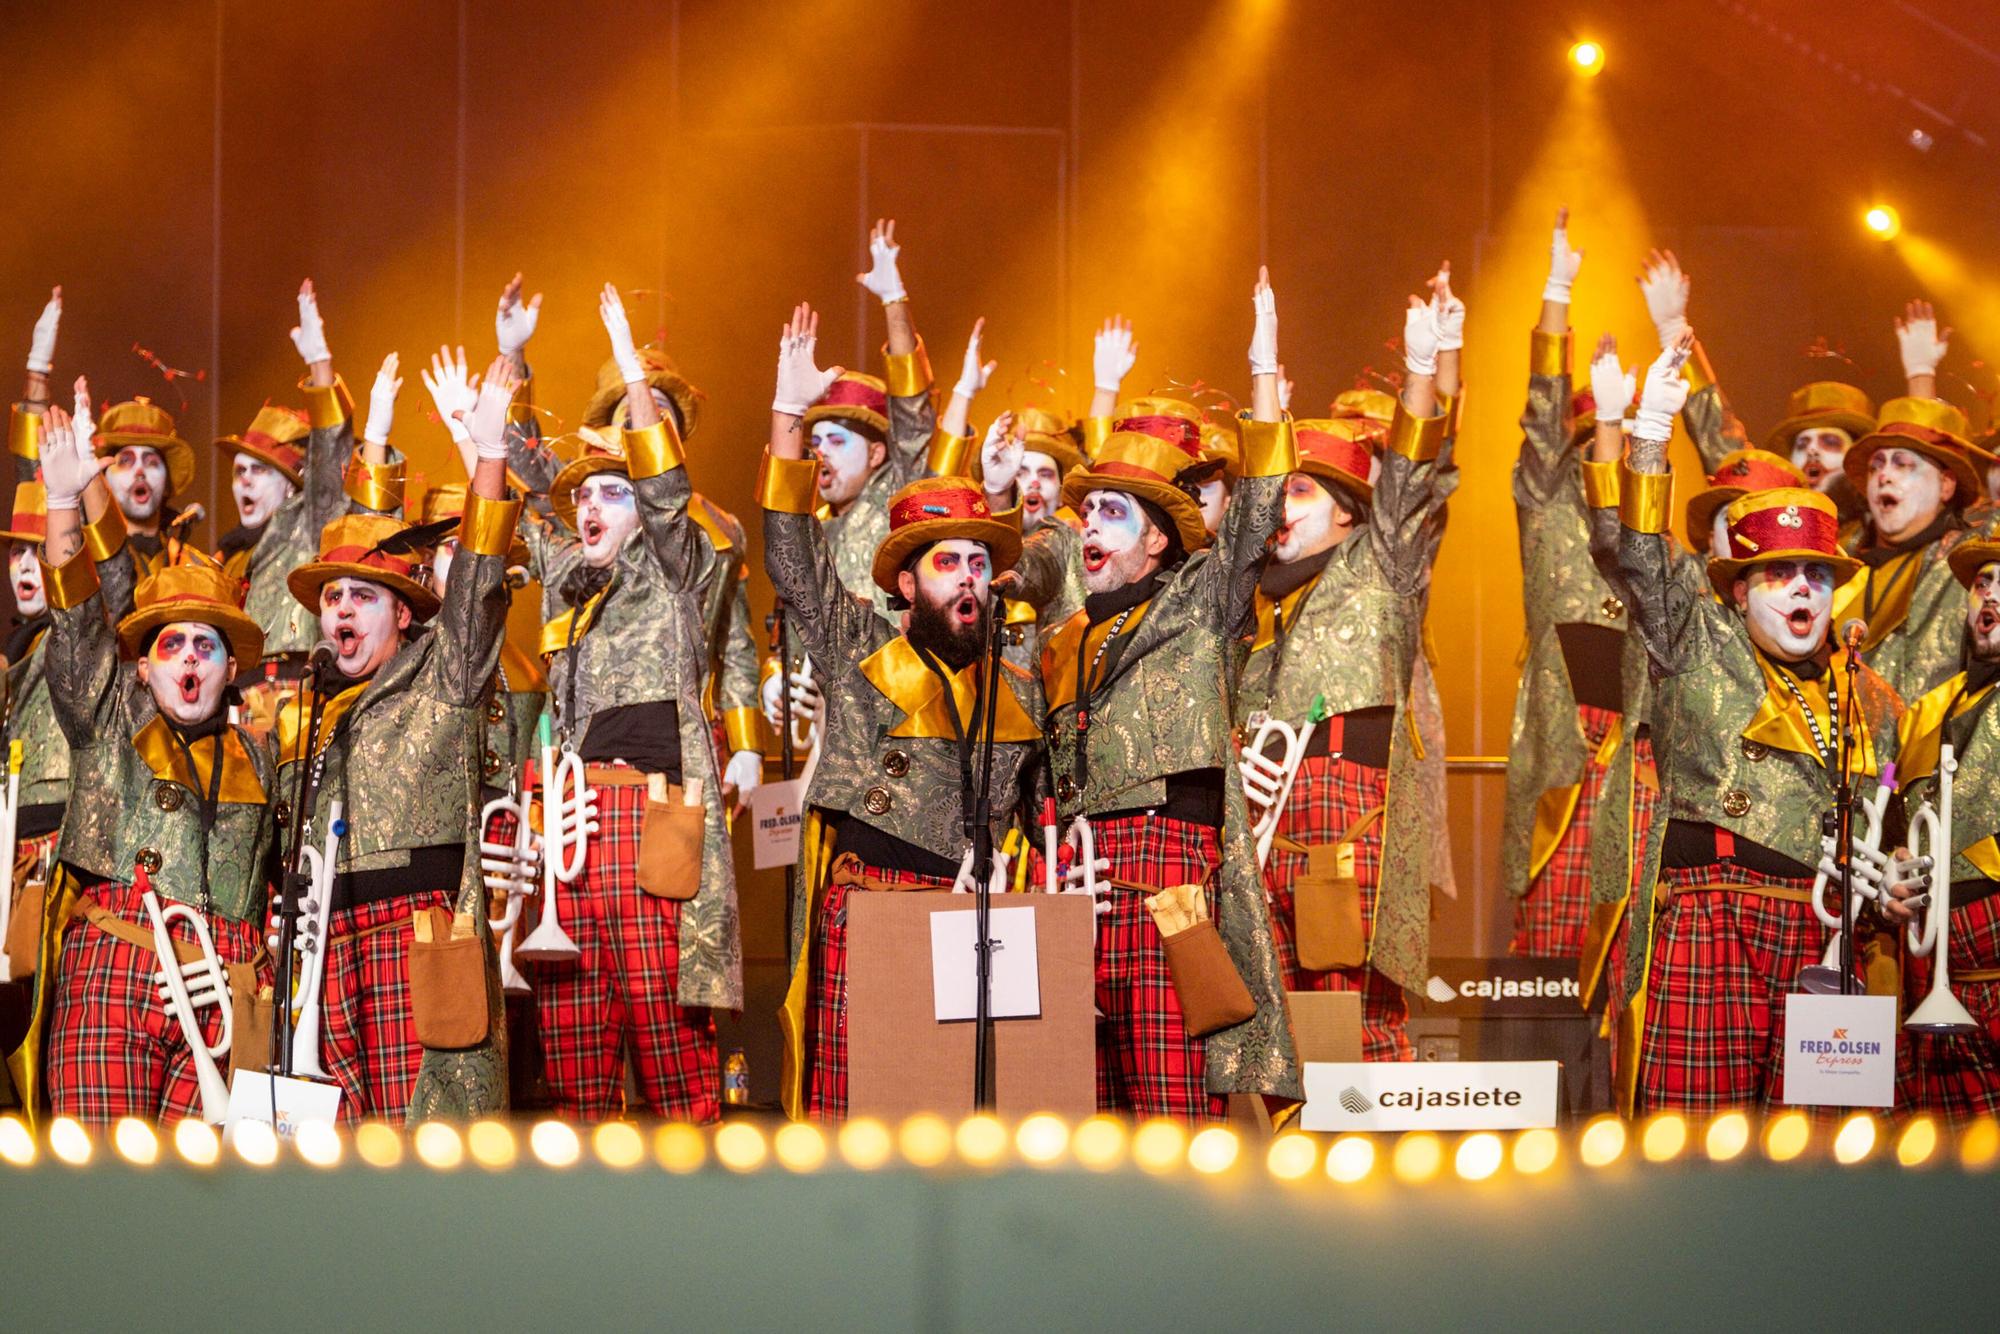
(1101, 607)
(1880, 553)
(23, 635)
(239, 538)
(1282, 580)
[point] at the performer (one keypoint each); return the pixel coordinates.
(1750, 709)
(1139, 736)
(1026, 465)
(151, 466)
(180, 804)
(400, 747)
(1338, 622)
(905, 711)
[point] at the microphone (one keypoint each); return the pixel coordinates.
(1852, 631)
(193, 514)
(322, 658)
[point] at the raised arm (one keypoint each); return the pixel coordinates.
(1541, 472)
(972, 377)
(1256, 505)
(82, 653)
(653, 458)
(24, 429)
(1406, 516)
(912, 418)
(1662, 609)
(474, 615)
(1716, 432)
(1922, 345)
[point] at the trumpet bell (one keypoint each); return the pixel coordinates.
(1941, 1014)
(1819, 979)
(544, 945)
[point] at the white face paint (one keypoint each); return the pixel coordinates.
(138, 480)
(607, 512)
(1214, 500)
(1982, 613)
(441, 564)
(1788, 605)
(846, 461)
(1309, 526)
(1114, 541)
(24, 568)
(1817, 452)
(955, 574)
(1040, 484)
(365, 621)
(1906, 492)
(259, 490)
(1718, 534)
(186, 670)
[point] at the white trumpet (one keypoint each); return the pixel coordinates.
(1867, 865)
(509, 868)
(8, 811)
(1081, 874)
(1941, 1011)
(569, 818)
(188, 989)
(1267, 782)
(310, 939)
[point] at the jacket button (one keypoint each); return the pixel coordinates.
(1735, 803)
(877, 801)
(167, 796)
(149, 860)
(492, 765)
(1612, 607)
(1755, 751)
(496, 712)
(896, 763)
(1067, 791)
(283, 812)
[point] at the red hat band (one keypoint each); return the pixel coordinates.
(1350, 456)
(374, 560)
(1754, 475)
(855, 394)
(942, 503)
(26, 521)
(283, 449)
(1174, 430)
(1791, 528)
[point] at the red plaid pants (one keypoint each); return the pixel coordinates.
(1956, 1077)
(1329, 796)
(115, 1048)
(1722, 964)
(826, 1004)
(621, 988)
(368, 1037)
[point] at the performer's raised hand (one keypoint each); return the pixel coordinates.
(453, 392)
(1447, 310)
(1665, 287)
(42, 346)
(1665, 393)
(514, 320)
(1564, 263)
(487, 422)
(1113, 354)
(1611, 385)
(68, 462)
(309, 335)
(382, 402)
(618, 328)
(85, 426)
(1264, 326)
(800, 382)
(1000, 456)
(1420, 337)
(974, 373)
(1920, 341)
(883, 278)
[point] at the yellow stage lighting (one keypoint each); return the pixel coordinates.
(1882, 221)
(1587, 58)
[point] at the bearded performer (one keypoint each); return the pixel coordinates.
(180, 806)
(1140, 743)
(400, 744)
(887, 799)
(1751, 699)
(1339, 616)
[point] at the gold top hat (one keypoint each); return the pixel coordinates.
(1050, 433)
(1147, 455)
(1971, 556)
(854, 397)
(1739, 473)
(585, 452)
(365, 546)
(1789, 523)
(606, 402)
(936, 509)
(196, 590)
(1341, 449)
(277, 436)
(144, 422)
(31, 514)
(1822, 405)
(447, 501)
(1927, 426)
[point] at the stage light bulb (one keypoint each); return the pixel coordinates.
(1603, 1142)
(197, 1142)
(1041, 1138)
(1882, 221)
(800, 1147)
(981, 1140)
(1535, 1151)
(319, 1143)
(1728, 1135)
(865, 1143)
(135, 1141)
(1099, 1143)
(1587, 58)
(1158, 1145)
(1785, 1138)
(1479, 1156)
(925, 1140)
(256, 1143)
(1291, 1156)
(377, 1144)
(1417, 1157)
(1213, 1150)
(438, 1146)
(1350, 1159)
(17, 1144)
(1855, 1140)
(1664, 1137)
(1978, 1143)
(555, 1143)
(1917, 1143)
(69, 1141)
(740, 1147)
(491, 1143)
(618, 1144)
(679, 1147)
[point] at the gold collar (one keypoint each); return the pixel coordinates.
(240, 785)
(1780, 725)
(901, 676)
(1077, 636)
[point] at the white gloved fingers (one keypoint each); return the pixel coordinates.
(1264, 328)
(310, 335)
(514, 321)
(1420, 338)
(1114, 353)
(42, 346)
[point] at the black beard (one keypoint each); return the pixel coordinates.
(932, 627)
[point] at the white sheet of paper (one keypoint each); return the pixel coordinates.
(299, 1101)
(1840, 1051)
(1017, 977)
(776, 821)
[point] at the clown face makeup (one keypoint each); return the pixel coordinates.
(441, 564)
(1718, 534)
(186, 669)
(365, 623)
(1310, 525)
(1788, 605)
(846, 460)
(259, 490)
(1120, 544)
(24, 571)
(607, 512)
(1214, 499)
(1040, 484)
(138, 479)
(1982, 613)
(1906, 492)
(948, 588)
(1817, 452)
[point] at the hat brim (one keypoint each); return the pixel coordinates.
(307, 580)
(847, 412)
(603, 405)
(1176, 502)
(1701, 508)
(1971, 486)
(10, 535)
(175, 452)
(1968, 558)
(1779, 439)
(236, 444)
(1002, 541)
(562, 491)
(1722, 571)
(1360, 485)
(245, 636)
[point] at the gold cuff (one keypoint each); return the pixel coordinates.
(1700, 374)
(71, 583)
(654, 450)
(487, 526)
(104, 538)
(24, 433)
(1600, 484)
(788, 486)
(1415, 438)
(1270, 449)
(951, 455)
(1096, 430)
(744, 729)
(328, 405)
(1548, 354)
(522, 410)
(1452, 404)
(1645, 500)
(375, 486)
(907, 374)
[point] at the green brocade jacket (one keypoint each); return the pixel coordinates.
(1973, 729)
(731, 685)
(31, 720)
(1914, 607)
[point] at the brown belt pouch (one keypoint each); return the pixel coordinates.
(1326, 905)
(250, 1035)
(1211, 991)
(24, 928)
(670, 840)
(447, 980)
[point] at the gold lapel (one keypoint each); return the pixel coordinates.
(900, 675)
(524, 674)
(292, 720)
(1074, 636)
(556, 635)
(1269, 612)
(1894, 581)
(705, 517)
(1920, 731)
(1780, 725)
(169, 763)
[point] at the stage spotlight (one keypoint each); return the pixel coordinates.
(1882, 221)
(1587, 58)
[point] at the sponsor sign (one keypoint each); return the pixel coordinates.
(1840, 1051)
(253, 1097)
(1506, 988)
(1430, 1095)
(777, 818)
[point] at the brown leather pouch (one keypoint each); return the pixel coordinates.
(670, 842)
(24, 928)
(1211, 992)
(1326, 910)
(250, 1027)
(447, 980)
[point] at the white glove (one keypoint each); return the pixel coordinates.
(451, 390)
(487, 422)
(1264, 333)
(1420, 338)
(85, 426)
(1081, 875)
(1284, 391)
(310, 335)
(1114, 355)
(972, 377)
(745, 773)
(1665, 392)
(42, 348)
(611, 309)
(382, 402)
(1918, 339)
(1907, 873)
(513, 322)
(800, 382)
(882, 277)
(1000, 456)
(1665, 288)
(1448, 311)
(1563, 262)
(68, 463)
(1611, 385)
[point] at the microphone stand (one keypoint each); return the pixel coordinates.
(980, 821)
(778, 647)
(292, 886)
(1843, 800)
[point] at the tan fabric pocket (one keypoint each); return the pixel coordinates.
(1326, 911)
(1211, 992)
(670, 842)
(447, 981)
(250, 1025)
(24, 928)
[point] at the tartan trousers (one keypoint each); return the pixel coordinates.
(368, 1036)
(1328, 797)
(621, 988)
(115, 1049)
(1956, 1077)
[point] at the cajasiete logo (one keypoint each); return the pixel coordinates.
(1354, 1102)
